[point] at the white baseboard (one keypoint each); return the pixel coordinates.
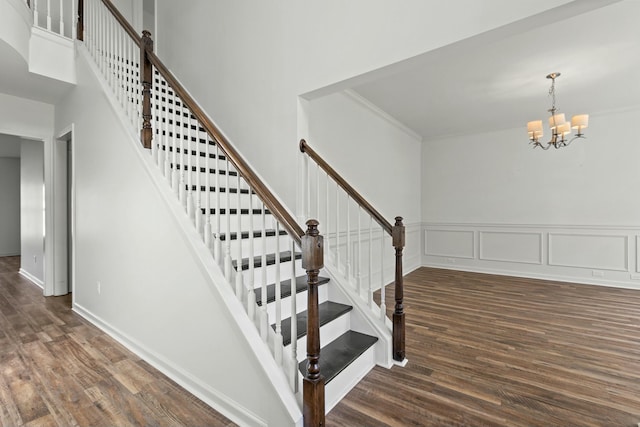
(33, 279)
(218, 401)
(554, 277)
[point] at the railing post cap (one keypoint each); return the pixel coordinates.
(312, 227)
(146, 33)
(398, 220)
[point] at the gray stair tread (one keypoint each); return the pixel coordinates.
(245, 234)
(340, 353)
(270, 260)
(327, 311)
(285, 288)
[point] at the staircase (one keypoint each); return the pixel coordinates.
(261, 250)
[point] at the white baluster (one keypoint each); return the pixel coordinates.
(337, 227)
(251, 297)
(327, 244)
(175, 172)
(199, 215)
(165, 130)
(383, 305)
(35, 13)
(217, 250)
(264, 319)
(227, 263)
(318, 192)
(305, 187)
(74, 20)
(278, 341)
(359, 254)
(371, 302)
(294, 325)
(183, 181)
(61, 29)
(239, 241)
(207, 195)
(186, 127)
(49, 15)
(348, 272)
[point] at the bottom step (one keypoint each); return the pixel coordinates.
(340, 353)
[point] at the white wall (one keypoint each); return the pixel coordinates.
(492, 203)
(138, 276)
(260, 56)
(9, 205)
(369, 148)
(32, 209)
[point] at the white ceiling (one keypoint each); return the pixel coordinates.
(497, 80)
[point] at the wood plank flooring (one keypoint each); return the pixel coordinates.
(483, 351)
(56, 369)
(489, 350)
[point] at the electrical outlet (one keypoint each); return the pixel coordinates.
(597, 273)
(99, 287)
(35, 259)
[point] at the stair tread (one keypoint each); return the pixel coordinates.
(234, 211)
(285, 288)
(245, 234)
(270, 259)
(340, 353)
(327, 311)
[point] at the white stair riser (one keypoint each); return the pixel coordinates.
(285, 273)
(328, 333)
(271, 245)
(231, 223)
(301, 303)
(348, 378)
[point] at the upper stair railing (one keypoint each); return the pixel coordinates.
(56, 16)
(219, 191)
(351, 247)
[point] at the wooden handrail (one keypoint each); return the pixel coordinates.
(123, 22)
(397, 233)
(268, 198)
(377, 216)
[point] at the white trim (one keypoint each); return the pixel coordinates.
(483, 257)
(10, 254)
(33, 279)
(381, 113)
(212, 397)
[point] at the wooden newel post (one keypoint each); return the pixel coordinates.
(313, 382)
(398, 313)
(80, 23)
(146, 134)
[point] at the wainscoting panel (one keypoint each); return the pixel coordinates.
(511, 246)
(449, 243)
(606, 252)
(595, 254)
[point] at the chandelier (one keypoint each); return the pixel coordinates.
(560, 128)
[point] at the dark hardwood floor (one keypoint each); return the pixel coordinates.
(56, 369)
(483, 350)
(489, 350)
